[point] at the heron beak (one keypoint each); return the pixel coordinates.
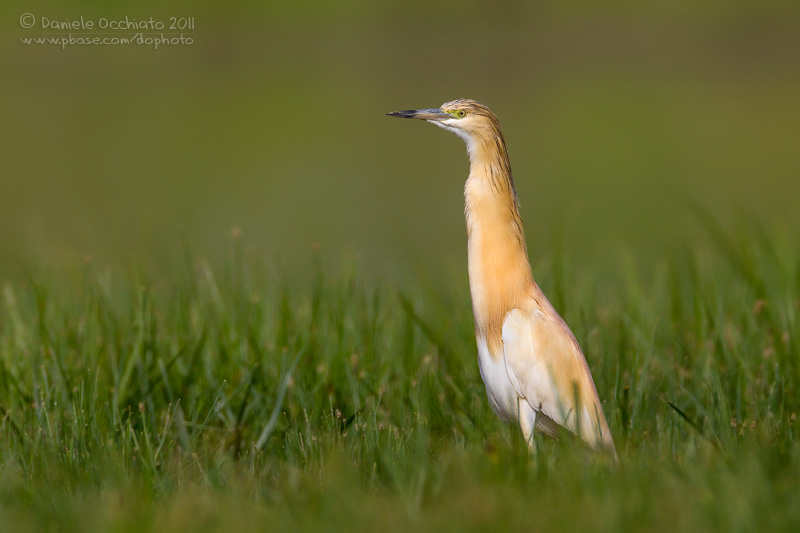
(435, 115)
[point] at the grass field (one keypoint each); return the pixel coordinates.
(234, 400)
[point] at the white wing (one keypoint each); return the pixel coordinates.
(547, 369)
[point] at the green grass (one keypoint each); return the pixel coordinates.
(235, 400)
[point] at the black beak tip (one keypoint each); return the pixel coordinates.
(402, 114)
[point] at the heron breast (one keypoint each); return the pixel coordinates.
(501, 393)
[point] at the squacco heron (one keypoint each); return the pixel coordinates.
(530, 362)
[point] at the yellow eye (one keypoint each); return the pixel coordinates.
(461, 113)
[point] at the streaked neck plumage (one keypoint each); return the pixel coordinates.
(499, 272)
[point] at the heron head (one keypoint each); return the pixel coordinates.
(470, 120)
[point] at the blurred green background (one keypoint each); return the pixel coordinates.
(272, 121)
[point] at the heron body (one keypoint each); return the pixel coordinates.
(530, 362)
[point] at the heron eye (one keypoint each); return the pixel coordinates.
(461, 113)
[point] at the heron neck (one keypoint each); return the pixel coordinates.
(499, 271)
